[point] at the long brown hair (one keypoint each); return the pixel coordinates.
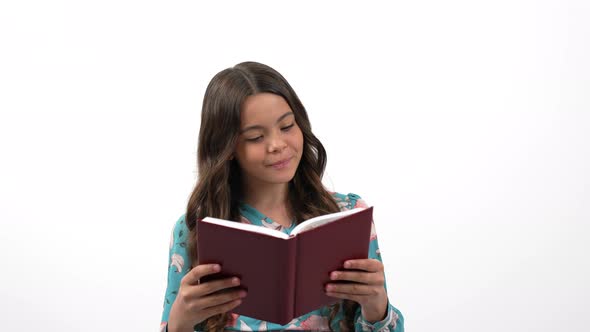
(218, 188)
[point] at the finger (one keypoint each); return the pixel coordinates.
(369, 265)
(370, 278)
(345, 296)
(223, 308)
(213, 286)
(220, 298)
(199, 271)
(352, 288)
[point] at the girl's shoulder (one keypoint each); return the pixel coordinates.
(348, 201)
(180, 230)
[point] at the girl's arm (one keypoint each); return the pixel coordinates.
(178, 265)
(393, 320)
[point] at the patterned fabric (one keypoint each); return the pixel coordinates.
(179, 264)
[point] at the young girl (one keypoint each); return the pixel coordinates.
(260, 163)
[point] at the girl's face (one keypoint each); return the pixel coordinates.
(270, 143)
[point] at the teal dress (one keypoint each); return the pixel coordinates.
(179, 264)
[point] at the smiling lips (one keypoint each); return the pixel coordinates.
(281, 164)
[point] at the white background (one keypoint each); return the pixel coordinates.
(465, 123)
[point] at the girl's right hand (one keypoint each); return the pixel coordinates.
(196, 301)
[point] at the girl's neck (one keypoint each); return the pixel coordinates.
(269, 197)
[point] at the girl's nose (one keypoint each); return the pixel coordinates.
(276, 144)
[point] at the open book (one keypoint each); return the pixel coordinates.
(285, 275)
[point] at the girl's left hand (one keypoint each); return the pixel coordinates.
(368, 287)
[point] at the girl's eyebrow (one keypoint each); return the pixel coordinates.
(261, 127)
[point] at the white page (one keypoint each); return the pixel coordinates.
(304, 226)
(247, 227)
(322, 220)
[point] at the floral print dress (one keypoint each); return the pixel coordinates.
(179, 264)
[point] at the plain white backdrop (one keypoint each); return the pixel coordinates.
(465, 123)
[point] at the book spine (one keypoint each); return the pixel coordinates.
(291, 278)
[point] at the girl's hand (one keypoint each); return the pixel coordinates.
(367, 287)
(196, 301)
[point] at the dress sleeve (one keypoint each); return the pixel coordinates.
(178, 265)
(394, 321)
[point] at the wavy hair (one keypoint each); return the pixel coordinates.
(218, 187)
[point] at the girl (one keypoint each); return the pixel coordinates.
(260, 163)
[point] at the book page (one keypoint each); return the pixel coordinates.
(322, 220)
(246, 227)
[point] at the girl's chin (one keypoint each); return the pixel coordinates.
(280, 178)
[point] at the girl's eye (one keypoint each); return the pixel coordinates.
(288, 127)
(255, 139)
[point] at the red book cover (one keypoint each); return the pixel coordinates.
(284, 275)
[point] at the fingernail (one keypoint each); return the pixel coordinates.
(243, 294)
(347, 264)
(334, 275)
(329, 288)
(235, 281)
(216, 268)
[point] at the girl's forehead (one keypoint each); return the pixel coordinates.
(264, 100)
(263, 107)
